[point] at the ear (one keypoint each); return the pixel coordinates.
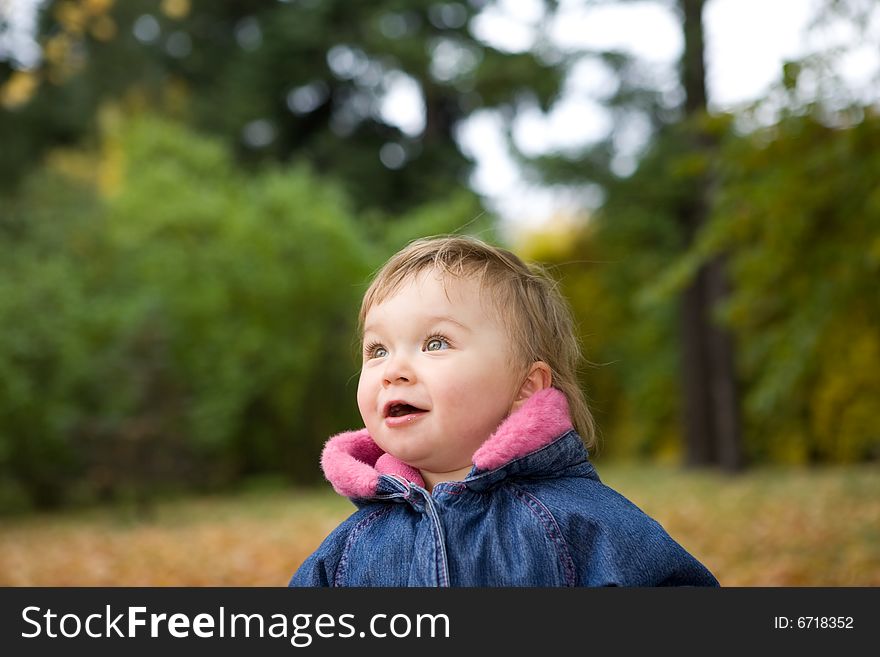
(538, 378)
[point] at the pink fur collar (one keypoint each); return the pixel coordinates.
(352, 462)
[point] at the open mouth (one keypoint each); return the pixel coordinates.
(399, 409)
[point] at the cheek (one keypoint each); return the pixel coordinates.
(487, 393)
(478, 394)
(365, 396)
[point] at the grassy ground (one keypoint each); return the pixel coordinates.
(771, 527)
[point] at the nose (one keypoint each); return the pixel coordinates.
(398, 369)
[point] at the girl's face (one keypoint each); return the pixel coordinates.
(437, 377)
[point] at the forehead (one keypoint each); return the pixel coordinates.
(436, 293)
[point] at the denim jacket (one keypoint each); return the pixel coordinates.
(532, 512)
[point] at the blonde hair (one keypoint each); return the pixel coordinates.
(527, 299)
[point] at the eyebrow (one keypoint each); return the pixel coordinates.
(432, 319)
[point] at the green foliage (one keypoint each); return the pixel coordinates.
(43, 358)
(796, 213)
(799, 215)
(189, 315)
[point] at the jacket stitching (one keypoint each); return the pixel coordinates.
(343, 560)
(554, 533)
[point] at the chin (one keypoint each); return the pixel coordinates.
(409, 456)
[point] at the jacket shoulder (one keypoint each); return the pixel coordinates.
(612, 542)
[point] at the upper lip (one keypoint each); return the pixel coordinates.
(394, 402)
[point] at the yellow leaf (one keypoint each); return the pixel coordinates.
(56, 49)
(71, 16)
(18, 89)
(97, 7)
(103, 28)
(176, 9)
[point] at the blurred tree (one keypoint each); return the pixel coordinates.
(710, 414)
(712, 433)
(796, 211)
(726, 178)
(799, 214)
(654, 211)
(320, 81)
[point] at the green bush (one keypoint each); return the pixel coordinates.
(185, 322)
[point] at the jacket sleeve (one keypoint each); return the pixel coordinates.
(319, 569)
(637, 553)
(619, 545)
(315, 571)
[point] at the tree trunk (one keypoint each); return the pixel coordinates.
(730, 454)
(697, 419)
(693, 73)
(711, 420)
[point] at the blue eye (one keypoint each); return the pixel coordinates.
(375, 350)
(436, 344)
